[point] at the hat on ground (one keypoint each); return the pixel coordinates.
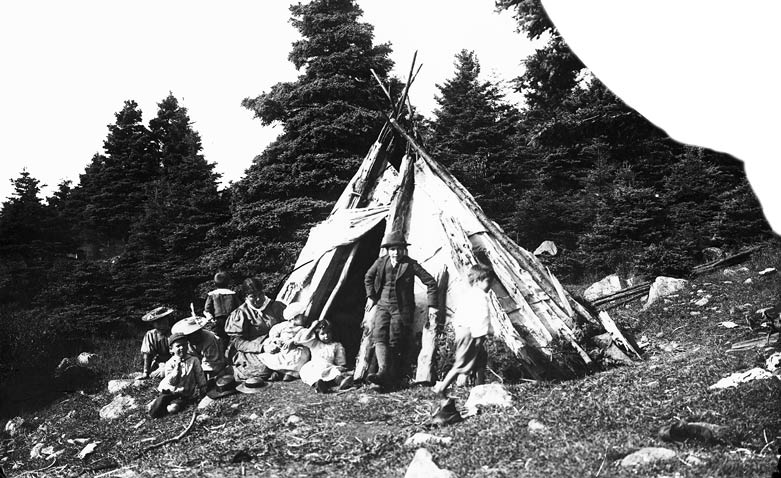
(253, 385)
(224, 386)
(157, 313)
(188, 325)
(175, 337)
(294, 310)
(394, 238)
(446, 413)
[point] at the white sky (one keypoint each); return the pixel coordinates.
(69, 66)
(706, 71)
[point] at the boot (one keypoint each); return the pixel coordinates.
(380, 378)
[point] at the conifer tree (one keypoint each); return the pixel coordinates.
(330, 116)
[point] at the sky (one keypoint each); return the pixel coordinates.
(702, 70)
(69, 67)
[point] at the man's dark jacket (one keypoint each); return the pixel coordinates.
(405, 282)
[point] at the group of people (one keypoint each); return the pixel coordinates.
(261, 340)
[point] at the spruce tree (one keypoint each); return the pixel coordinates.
(330, 116)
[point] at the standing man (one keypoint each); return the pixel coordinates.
(390, 286)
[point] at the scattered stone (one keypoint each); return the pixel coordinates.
(423, 466)
(773, 363)
(421, 438)
(546, 247)
(645, 456)
(116, 386)
(692, 460)
(254, 416)
(118, 408)
(486, 395)
(711, 254)
(769, 270)
(702, 302)
(727, 282)
(741, 377)
(205, 402)
(89, 448)
(13, 426)
(536, 426)
(86, 358)
(202, 417)
(747, 281)
(730, 272)
(608, 285)
(364, 399)
(35, 453)
(293, 420)
(694, 313)
(728, 324)
(664, 287)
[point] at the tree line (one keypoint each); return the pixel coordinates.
(147, 222)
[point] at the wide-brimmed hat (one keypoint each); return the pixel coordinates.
(157, 313)
(253, 385)
(223, 386)
(174, 337)
(394, 238)
(294, 310)
(188, 325)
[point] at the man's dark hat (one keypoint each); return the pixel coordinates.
(394, 238)
(224, 386)
(157, 313)
(446, 413)
(253, 385)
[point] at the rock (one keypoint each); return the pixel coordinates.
(116, 386)
(86, 358)
(421, 438)
(692, 460)
(293, 420)
(728, 324)
(663, 287)
(602, 341)
(701, 302)
(694, 312)
(202, 418)
(645, 456)
(254, 416)
(773, 363)
(711, 254)
(89, 448)
(205, 402)
(487, 395)
(423, 466)
(741, 377)
(748, 281)
(608, 285)
(13, 426)
(118, 408)
(35, 453)
(364, 399)
(536, 426)
(616, 355)
(769, 270)
(546, 247)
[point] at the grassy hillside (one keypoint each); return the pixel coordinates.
(590, 423)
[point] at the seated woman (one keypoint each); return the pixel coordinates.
(282, 354)
(328, 365)
(248, 327)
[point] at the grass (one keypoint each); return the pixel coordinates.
(591, 423)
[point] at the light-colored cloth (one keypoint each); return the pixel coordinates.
(327, 363)
(470, 354)
(473, 316)
(220, 303)
(155, 343)
(207, 347)
(281, 352)
(183, 376)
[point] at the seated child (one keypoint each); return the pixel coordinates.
(472, 323)
(282, 356)
(204, 345)
(154, 346)
(183, 382)
(327, 367)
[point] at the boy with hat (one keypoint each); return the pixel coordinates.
(154, 346)
(184, 380)
(220, 302)
(204, 345)
(389, 285)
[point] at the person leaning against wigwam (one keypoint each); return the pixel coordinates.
(220, 302)
(390, 286)
(472, 324)
(204, 345)
(183, 382)
(154, 346)
(248, 327)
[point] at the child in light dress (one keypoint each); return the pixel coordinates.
(472, 323)
(327, 368)
(282, 355)
(184, 380)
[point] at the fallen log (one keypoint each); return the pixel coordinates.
(734, 259)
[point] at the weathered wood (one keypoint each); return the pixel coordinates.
(632, 293)
(363, 359)
(740, 256)
(345, 269)
(424, 372)
(616, 334)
